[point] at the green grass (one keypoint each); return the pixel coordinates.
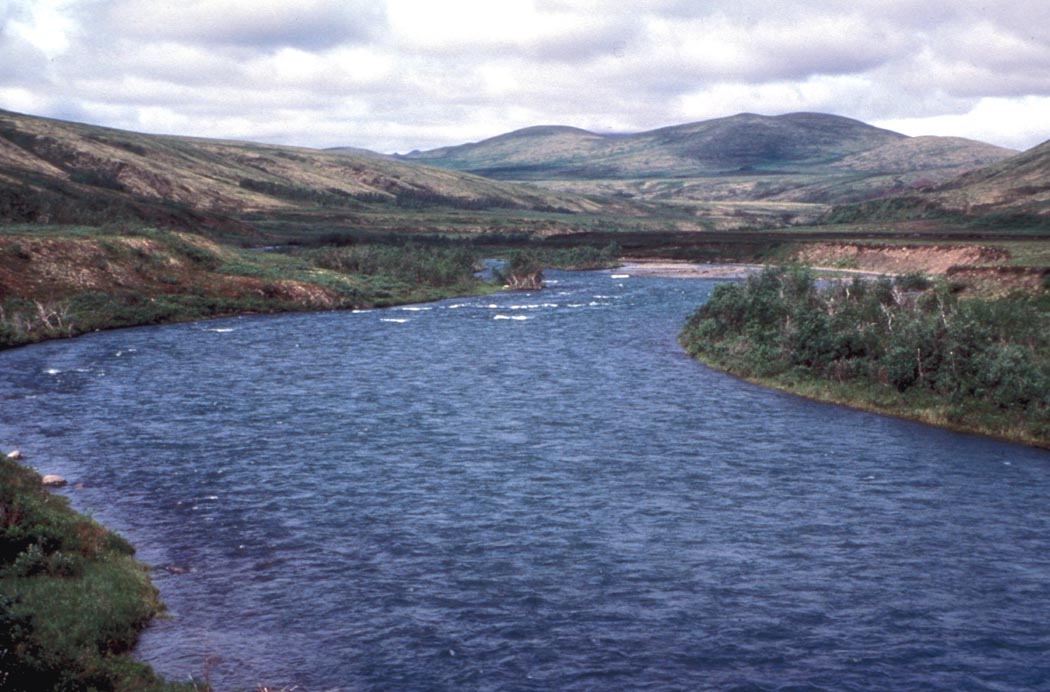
(73, 600)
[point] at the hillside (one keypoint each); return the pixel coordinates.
(59, 172)
(1018, 185)
(745, 143)
(1014, 191)
(742, 171)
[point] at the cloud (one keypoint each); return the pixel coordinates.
(405, 74)
(1027, 120)
(255, 23)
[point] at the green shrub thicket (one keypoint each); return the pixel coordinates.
(578, 257)
(983, 364)
(432, 266)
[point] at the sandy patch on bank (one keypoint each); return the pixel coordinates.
(680, 269)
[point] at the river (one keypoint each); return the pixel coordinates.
(534, 491)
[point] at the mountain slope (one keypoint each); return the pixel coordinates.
(51, 169)
(802, 161)
(1015, 190)
(738, 143)
(1020, 184)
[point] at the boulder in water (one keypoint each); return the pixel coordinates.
(53, 481)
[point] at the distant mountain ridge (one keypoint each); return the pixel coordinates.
(744, 143)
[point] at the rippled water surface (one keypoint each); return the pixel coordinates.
(534, 492)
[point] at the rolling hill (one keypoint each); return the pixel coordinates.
(745, 169)
(745, 143)
(61, 172)
(1012, 192)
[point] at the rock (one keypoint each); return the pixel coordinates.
(15, 455)
(53, 481)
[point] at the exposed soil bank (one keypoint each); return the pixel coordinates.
(900, 259)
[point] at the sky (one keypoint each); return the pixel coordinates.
(397, 75)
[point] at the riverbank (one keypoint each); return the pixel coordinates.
(73, 600)
(64, 282)
(683, 269)
(897, 348)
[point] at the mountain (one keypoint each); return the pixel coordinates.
(742, 171)
(745, 143)
(56, 171)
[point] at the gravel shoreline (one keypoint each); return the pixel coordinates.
(681, 269)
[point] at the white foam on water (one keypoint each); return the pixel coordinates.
(413, 308)
(619, 276)
(52, 371)
(357, 312)
(392, 319)
(533, 306)
(217, 330)
(517, 318)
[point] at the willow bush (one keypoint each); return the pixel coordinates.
(907, 335)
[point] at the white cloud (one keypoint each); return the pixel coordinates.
(404, 74)
(44, 24)
(1014, 123)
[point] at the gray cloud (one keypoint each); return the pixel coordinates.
(303, 24)
(404, 74)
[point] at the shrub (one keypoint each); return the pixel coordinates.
(974, 354)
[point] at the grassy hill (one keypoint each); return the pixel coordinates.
(1014, 192)
(742, 171)
(724, 145)
(60, 172)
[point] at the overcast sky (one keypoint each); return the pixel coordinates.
(396, 75)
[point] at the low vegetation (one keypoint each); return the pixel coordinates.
(62, 283)
(72, 597)
(907, 347)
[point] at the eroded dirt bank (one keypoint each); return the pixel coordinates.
(900, 259)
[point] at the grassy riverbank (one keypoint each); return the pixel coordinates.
(61, 282)
(72, 597)
(907, 347)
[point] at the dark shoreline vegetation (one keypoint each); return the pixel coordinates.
(908, 347)
(62, 282)
(73, 600)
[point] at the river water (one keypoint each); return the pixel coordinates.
(534, 492)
